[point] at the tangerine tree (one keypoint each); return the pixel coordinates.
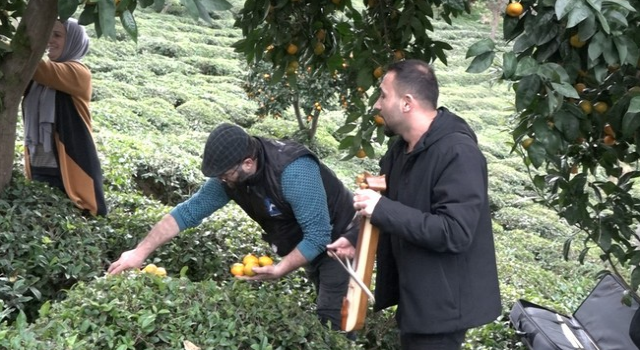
(310, 53)
(574, 66)
(25, 27)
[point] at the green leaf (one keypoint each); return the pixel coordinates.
(480, 47)
(364, 78)
(623, 3)
(539, 182)
(203, 12)
(567, 123)
(635, 278)
(634, 260)
(621, 48)
(146, 320)
(537, 154)
(528, 88)
(334, 63)
(216, 5)
(553, 72)
(547, 50)
(106, 18)
(183, 273)
(512, 27)
(345, 129)
(587, 28)
(563, 7)
(603, 22)
(5, 44)
(566, 90)
(527, 66)
(192, 8)
(523, 43)
(368, 149)
(417, 26)
(578, 13)
(634, 105)
(629, 47)
(542, 28)
(596, 45)
(481, 63)
(129, 24)
(631, 120)
(66, 8)
(277, 75)
(582, 255)
(44, 309)
(566, 248)
(509, 64)
(88, 15)
(605, 238)
(158, 5)
(596, 5)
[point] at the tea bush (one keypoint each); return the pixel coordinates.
(142, 311)
(47, 246)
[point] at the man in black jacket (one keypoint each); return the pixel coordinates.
(436, 256)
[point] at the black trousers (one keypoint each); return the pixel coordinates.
(440, 341)
(331, 282)
(54, 179)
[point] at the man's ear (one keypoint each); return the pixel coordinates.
(407, 102)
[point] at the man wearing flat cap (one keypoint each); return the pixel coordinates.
(299, 203)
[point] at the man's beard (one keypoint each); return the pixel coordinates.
(388, 132)
(242, 177)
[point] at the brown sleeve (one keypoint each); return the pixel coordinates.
(71, 77)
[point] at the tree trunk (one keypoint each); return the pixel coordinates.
(496, 7)
(17, 68)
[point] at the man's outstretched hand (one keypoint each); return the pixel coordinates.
(128, 260)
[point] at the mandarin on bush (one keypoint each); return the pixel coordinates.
(600, 107)
(378, 119)
(586, 106)
(161, 271)
(292, 49)
(514, 9)
(609, 140)
(526, 143)
(575, 41)
(151, 268)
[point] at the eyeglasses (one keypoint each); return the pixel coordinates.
(227, 174)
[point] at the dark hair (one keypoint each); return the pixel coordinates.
(417, 78)
(252, 149)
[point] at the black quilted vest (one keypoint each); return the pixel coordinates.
(261, 196)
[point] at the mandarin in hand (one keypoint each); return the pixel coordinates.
(265, 261)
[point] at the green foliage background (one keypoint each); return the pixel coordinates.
(154, 103)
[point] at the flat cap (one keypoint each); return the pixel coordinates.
(226, 147)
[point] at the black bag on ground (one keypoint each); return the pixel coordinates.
(634, 329)
(601, 322)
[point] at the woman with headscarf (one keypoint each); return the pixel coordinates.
(59, 147)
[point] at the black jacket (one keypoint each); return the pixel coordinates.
(436, 257)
